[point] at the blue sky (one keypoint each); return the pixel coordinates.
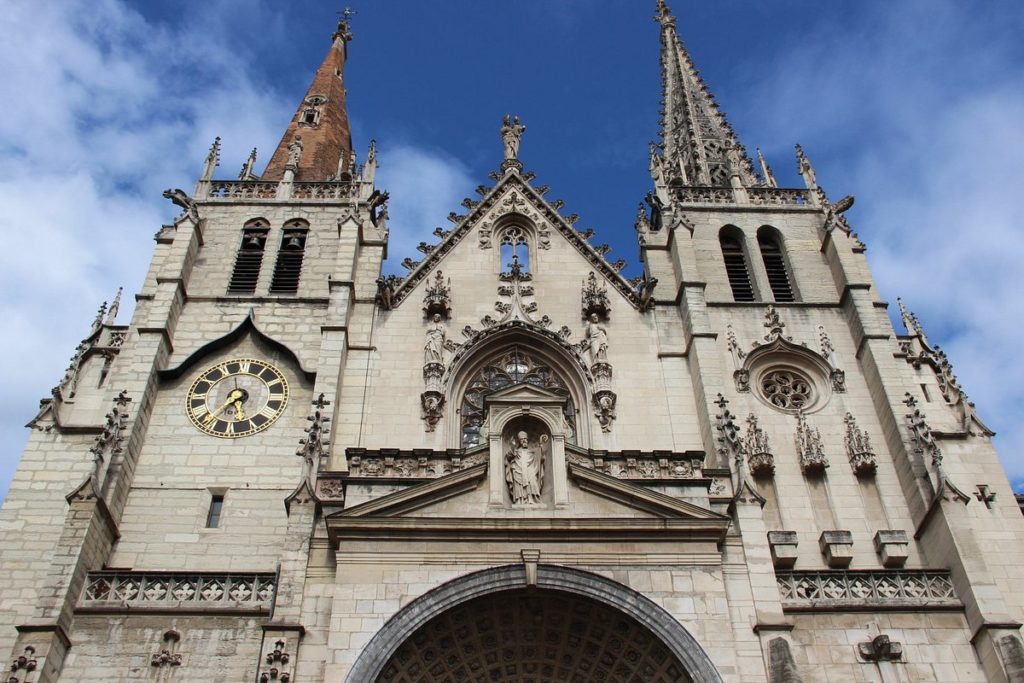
(915, 107)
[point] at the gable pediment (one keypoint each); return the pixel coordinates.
(524, 393)
(444, 508)
(513, 194)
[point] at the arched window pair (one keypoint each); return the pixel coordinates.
(737, 269)
(249, 260)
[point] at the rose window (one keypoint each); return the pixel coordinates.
(787, 389)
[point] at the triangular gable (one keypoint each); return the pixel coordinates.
(638, 497)
(464, 224)
(419, 495)
(524, 393)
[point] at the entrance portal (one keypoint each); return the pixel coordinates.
(532, 635)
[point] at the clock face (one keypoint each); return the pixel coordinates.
(237, 398)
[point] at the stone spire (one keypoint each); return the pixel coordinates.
(699, 147)
(320, 123)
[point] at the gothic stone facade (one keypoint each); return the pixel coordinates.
(512, 464)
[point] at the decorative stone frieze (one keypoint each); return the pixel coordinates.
(893, 547)
(809, 447)
(858, 448)
(759, 454)
(836, 547)
(114, 591)
(783, 546)
(878, 590)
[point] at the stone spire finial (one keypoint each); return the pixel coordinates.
(766, 170)
(696, 137)
(246, 173)
(212, 160)
(806, 170)
(344, 30)
(321, 118)
(114, 307)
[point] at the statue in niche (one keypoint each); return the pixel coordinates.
(511, 133)
(524, 467)
(597, 340)
(433, 349)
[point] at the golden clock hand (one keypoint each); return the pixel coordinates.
(235, 395)
(239, 412)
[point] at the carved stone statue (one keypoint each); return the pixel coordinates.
(597, 340)
(433, 349)
(511, 133)
(295, 151)
(524, 468)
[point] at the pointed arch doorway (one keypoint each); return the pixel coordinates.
(571, 627)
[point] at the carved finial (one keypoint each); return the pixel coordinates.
(809, 446)
(212, 160)
(921, 434)
(97, 322)
(806, 170)
(437, 299)
(759, 454)
(858, 448)
(246, 172)
(910, 321)
(114, 307)
(314, 447)
(766, 170)
(595, 298)
(663, 14)
(344, 30)
(773, 324)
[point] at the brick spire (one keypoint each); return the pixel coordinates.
(321, 121)
(698, 144)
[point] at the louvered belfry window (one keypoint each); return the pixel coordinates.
(775, 264)
(289, 261)
(249, 260)
(736, 269)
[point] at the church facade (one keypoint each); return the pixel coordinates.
(513, 464)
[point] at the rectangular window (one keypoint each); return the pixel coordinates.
(216, 507)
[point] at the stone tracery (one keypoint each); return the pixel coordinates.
(513, 366)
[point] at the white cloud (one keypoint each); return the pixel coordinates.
(425, 187)
(926, 133)
(101, 128)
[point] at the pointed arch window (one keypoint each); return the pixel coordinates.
(249, 259)
(515, 249)
(731, 241)
(289, 259)
(515, 365)
(770, 244)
